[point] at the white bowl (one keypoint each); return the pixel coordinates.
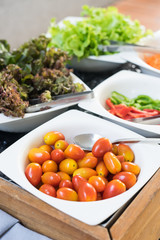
(14, 160)
(137, 58)
(93, 63)
(130, 84)
(32, 120)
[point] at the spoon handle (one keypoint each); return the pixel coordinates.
(134, 140)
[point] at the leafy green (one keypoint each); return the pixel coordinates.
(33, 71)
(140, 102)
(98, 26)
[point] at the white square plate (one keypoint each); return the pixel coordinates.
(14, 160)
(130, 84)
(32, 120)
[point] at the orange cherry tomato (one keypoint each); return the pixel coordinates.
(38, 155)
(46, 147)
(112, 163)
(131, 167)
(66, 183)
(48, 189)
(126, 151)
(51, 137)
(61, 144)
(67, 194)
(114, 188)
(115, 149)
(128, 178)
(51, 178)
(101, 146)
(98, 183)
(49, 166)
(77, 180)
(64, 176)
(87, 192)
(68, 165)
(74, 151)
(33, 173)
(87, 161)
(57, 155)
(101, 169)
(85, 172)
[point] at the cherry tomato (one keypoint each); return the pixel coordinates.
(61, 144)
(128, 178)
(77, 180)
(112, 163)
(99, 196)
(120, 158)
(66, 183)
(104, 179)
(51, 178)
(49, 166)
(46, 147)
(38, 155)
(74, 151)
(67, 194)
(98, 183)
(48, 189)
(114, 188)
(33, 173)
(126, 151)
(101, 146)
(51, 137)
(85, 172)
(87, 193)
(68, 165)
(64, 176)
(57, 155)
(131, 167)
(87, 161)
(115, 149)
(101, 169)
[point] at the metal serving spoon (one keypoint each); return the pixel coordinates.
(87, 140)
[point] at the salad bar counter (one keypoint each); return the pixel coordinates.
(140, 216)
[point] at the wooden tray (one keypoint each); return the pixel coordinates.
(139, 221)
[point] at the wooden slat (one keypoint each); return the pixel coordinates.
(41, 217)
(141, 220)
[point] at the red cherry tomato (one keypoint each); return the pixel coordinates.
(48, 189)
(101, 146)
(33, 173)
(87, 193)
(98, 183)
(51, 137)
(57, 155)
(51, 178)
(66, 183)
(74, 151)
(77, 180)
(38, 155)
(128, 178)
(67, 194)
(114, 188)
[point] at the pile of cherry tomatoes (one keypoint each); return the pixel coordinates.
(66, 171)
